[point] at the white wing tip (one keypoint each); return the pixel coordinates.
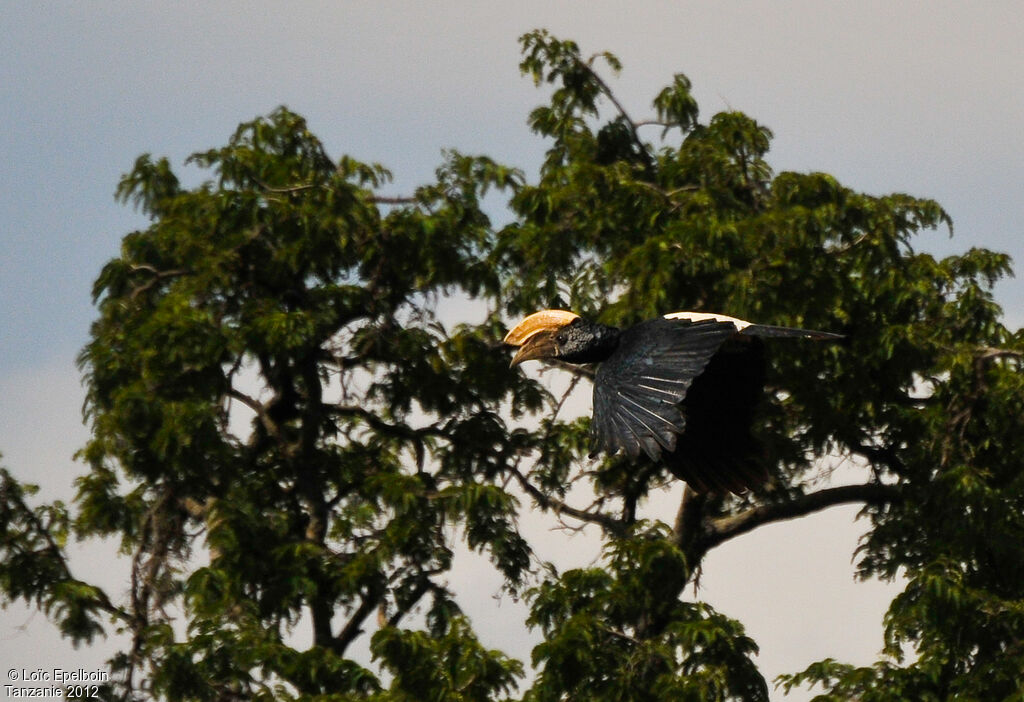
(703, 316)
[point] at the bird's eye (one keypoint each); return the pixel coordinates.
(561, 338)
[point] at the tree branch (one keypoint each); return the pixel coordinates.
(354, 627)
(261, 411)
(408, 603)
(722, 529)
(393, 200)
(577, 371)
(987, 353)
(416, 437)
(158, 275)
(689, 518)
(286, 189)
(589, 65)
(610, 523)
(376, 199)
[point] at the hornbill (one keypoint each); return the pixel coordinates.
(681, 388)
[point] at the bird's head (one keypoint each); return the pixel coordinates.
(561, 335)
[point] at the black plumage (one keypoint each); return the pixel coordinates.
(682, 388)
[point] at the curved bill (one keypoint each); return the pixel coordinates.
(539, 345)
(545, 320)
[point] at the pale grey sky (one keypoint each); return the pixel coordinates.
(918, 97)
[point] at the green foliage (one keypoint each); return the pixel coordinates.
(291, 445)
(33, 567)
(443, 666)
(254, 297)
(619, 632)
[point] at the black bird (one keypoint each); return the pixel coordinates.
(681, 388)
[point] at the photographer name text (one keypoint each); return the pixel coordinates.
(60, 676)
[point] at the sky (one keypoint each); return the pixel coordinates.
(920, 97)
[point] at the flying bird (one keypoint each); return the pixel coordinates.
(681, 388)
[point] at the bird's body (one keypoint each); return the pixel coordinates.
(681, 389)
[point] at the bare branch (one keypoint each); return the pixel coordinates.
(286, 189)
(385, 200)
(565, 396)
(724, 528)
(401, 431)
(377, 199)
(559, 507)
(669, 194)
(406, 606)
(655, 123)
(158, 275)
(354, 627)
(621, 635)
(618, 106)
(689, 518)
(577, 371)
(988, 353)
(261, 411)
(155, 542)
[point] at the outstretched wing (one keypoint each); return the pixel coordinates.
(638, 390)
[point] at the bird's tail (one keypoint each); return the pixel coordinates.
(766, 330)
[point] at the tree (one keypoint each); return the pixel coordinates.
(285, 433)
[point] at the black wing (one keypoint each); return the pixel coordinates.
(639, 388)
(718, 452)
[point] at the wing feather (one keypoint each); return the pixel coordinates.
(638, 390)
